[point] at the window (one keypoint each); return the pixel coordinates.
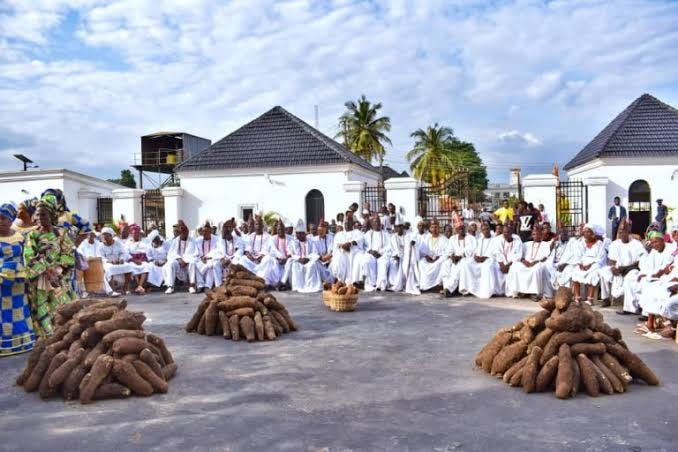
(247, 211)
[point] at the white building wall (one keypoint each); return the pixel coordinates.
(660, 173)
(221, 194)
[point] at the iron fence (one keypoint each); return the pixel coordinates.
(571, 206)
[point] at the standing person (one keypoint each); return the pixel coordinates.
(396, 280)
(505, 214)
(116, 258)
(526, 219)
(303, 270)
(138, 252)
(480, 277)
(543, 216)
(433, 250)
(372, 265)
(24, 221)
(662, 215)
(48, 260)
(413, 251)
(616, 215)
(485, 217)
(508, 249)
(593, 258)
(17, 334)
(157, 255)
(181, 258)
(530, 275)
(208, 269)
(460, 251)
(468, 214)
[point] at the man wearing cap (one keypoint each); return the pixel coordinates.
(413, 252)
(655, 265)
(432, 256)
(278, 251)
(623, 260)
(348, 244)
(461, 249)
(662, 214)
(303, 267)
(181, 259)
(115, 258)
(230, 247)
(372, 264)
(396, 277)
(565, 256)
(256, 245)
(208, 265)
(324, 244)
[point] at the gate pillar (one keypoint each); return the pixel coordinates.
(127, 202)
(173, 202)
(598, 204)
(402, 192)
(541, 189)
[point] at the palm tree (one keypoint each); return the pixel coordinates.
(363, 131)
(435, 154)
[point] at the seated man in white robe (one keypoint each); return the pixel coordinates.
(564, 259)
(461, 249)
(480, 277)
(432, 257)
(623, 260)
(138, 251)
(593, 258)
(324, 245)
(230, 247)
(278, 251)
(372, 264)
(157, 257)
(209, 271)
(347, 245)
(396, 275)
(651, 268)
(256, 247)
(303, 266)
(89, 249)
(115, 259)
(530, 275)
(508, 249)
(181, 259)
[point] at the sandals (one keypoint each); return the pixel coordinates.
(139, 290)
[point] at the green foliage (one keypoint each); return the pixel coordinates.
(126, 179)
(271, 218)
(437, 154)
(363, 131)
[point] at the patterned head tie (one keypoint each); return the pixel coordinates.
(654, 235)
(48, 203)
(8, 210)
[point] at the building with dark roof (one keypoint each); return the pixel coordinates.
(634, 157)
(276, 162)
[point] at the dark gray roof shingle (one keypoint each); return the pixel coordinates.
(646, 128)
(387, 172)
(275, 139)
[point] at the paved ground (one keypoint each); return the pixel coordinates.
(395, 375)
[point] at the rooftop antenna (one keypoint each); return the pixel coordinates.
(315, 108)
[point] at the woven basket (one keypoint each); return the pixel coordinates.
(327, 294)
(343, 303)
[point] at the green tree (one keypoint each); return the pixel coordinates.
(363, 131)
(126, 179)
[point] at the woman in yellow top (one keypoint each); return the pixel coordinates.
(17, 332)
(505, 213)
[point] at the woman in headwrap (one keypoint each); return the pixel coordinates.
(138, 251)
(157, 255)
(17, 331)
(24, 221)
(76, 226)
(49, 261)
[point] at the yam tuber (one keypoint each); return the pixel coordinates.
(159, 384)
(225, 326)
(259, 326)
(531, 369)
(589, 376)
(112, 391)
(233, 322)
(211, 319)
(507, 356)
(192, 324)
(564, 377)
(100, 370)
(126, 374)
(247, 327)
(547, 374)
(636, 366)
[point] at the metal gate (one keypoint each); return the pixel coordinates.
(439, 201)
(153, 209)
(105, 210)
(571, 206)
(375, 195)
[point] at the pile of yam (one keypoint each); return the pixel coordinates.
(566, 347)
(241, 309)
(98, 350)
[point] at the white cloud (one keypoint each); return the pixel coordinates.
(526, 139)
(544, 85)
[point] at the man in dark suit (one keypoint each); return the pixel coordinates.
(616, 214)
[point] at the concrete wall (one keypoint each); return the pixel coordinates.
(221, 194)
(541, 189)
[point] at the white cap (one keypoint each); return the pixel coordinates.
(108, 231)
(418, 219)
(301, 226)
(289, 224)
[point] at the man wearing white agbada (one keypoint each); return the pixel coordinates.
(230, 247)
(89, 249)
(623, 260)
(372, 265)
(564, 258)
(660, 298)
(272, 266)
(593, 258)
(115, 256)
(396, 275)
(481, 276)
(530, 275)
(157, 256)
(348, 244)
(432, 258)
(508, 249)
(461, 248)
(651, 268)
(138, 250)
(256, 247)
(303, 266)
(410, 264)
(324, 244)
(181, 259)
(208, 269)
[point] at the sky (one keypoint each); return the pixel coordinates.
(528, 82)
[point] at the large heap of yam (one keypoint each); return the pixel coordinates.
(98, 350)
(241, 309)
(566, 347)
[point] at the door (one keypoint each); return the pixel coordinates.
(315, 207)
(640, 206)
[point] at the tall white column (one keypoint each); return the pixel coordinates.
(352, 190)
(173, 203)
(402, 192)
(598, 203)
(127, 202)
(87, 205)
(541, 189)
